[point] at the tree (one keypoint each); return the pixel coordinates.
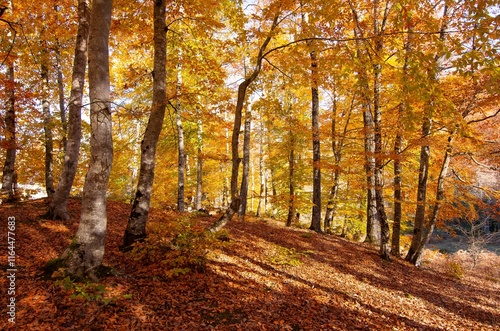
(136, 227)
(58, 204)
(84, 256)
(9, 181)
(415, 250)
(242, 92)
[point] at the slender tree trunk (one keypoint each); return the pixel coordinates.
(242, 90)
(84, 256)
(57, 208)
(261, 175)
(47, 128)
(316, 209)
(136, 227)
(246, 164)
(379, 164)
(292, 205)
(423, 174)
(398, 148)
(337, 146)
(181, 161)
(372, 233)
(398, 197)
(199, 166)
(62, 106)
(9, 174)
(385, 250)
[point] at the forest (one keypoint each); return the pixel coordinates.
(171, 133)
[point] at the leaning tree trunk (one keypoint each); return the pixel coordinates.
(417, 255)
(136, 227)
(316, 209)
(84, 256)
(242, 91)
(8, 175)
(246, 164)
(419, 226)
(58, 205)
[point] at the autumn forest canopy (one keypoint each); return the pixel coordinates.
(375, 120)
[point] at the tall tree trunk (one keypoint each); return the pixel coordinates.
(398, 148)
(246, 164)
(419, 222)
(181, 161)
(9, 174)
(199, 166)
(47, 129)
(84, 256)
(398, 197)
(292, 204)
(62, 106)
(136, 227)
(385, 251)
(261, 174)
(57, 208)
(372, 233)
(379, 164)
(316, 209)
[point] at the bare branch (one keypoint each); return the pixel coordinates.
(484, 118)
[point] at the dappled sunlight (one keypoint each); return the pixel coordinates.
(266, 277)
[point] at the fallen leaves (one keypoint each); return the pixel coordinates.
(250, 283)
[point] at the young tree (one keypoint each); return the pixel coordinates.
(58, 204)
(136, 227)
(85, 254)
(415, 250)
(9, 173)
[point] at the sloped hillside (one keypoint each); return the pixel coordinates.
(261, 276)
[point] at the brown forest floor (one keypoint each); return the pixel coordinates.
(267, 277)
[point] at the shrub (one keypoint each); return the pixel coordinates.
(454, 269)
(182, 246)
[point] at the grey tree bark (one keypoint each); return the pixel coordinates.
(292, 204)
(316, 209)
(58, 204)
(199, 165)
(398, 149)
(181, 156)
(246, 164)
(47, 128)
(136, 226)
(385, 251)
(84, 256)
(62, 106)
(9, 174)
